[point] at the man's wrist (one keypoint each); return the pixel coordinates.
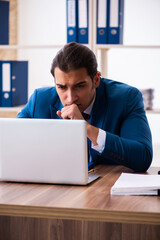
(92, 133)
(101, 138)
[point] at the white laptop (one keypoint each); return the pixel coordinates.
(45, 151)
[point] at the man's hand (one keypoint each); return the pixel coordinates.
(73, 112)
(70, 112)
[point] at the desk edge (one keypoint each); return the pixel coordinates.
(80, 214)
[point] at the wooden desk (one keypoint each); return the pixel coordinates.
(43, 211)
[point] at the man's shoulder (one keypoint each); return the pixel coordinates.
(45, 96)
(46, 91)
(115, 84)
(117, 88)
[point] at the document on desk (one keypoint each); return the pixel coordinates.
(136, 184)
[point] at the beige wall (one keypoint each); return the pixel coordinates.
(11, 54)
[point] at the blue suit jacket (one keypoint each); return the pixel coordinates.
(118, 109)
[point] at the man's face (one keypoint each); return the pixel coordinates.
(76, 87)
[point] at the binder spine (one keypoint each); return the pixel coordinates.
(19, 82)
(83, 21)
(72, 19)
(116, 12)
(4, 22)
(6, 97)
(0, 84)
(121, 21)
(102, 21)
(13, 83)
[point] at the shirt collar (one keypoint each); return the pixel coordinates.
(88, 110)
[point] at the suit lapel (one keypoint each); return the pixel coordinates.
(98, 114)
(54, 108)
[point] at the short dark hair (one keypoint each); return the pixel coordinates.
(74, 56)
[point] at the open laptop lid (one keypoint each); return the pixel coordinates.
(44, 150)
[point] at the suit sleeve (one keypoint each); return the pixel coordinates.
(28, 110)
(133, 147)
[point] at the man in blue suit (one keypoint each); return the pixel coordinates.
(117, 128)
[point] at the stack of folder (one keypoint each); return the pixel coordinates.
(77, 21)
(13, 74)
(136, 184)
(148, 97)
(4, 22)
(110, 21)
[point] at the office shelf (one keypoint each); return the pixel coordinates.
(101, 50)
(29, 46)
(110, 46)
(10, 112)
(153, 111)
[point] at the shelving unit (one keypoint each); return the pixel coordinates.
(103, 56)
(103, 59)
(101, 50)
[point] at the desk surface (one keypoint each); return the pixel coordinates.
(80, 202)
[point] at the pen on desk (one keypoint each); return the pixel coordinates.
(92, 170)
